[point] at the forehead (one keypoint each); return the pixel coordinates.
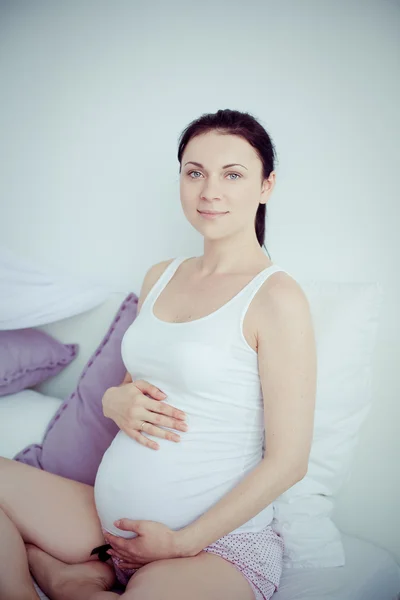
(215, 148)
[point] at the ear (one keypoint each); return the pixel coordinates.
(267, 187)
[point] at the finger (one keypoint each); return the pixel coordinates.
(120, 546)
(161, 433)
(145, 386)
(164, 408)
(129, 525)
(163, 421)
(128, 560)
(142, 439)
(119, 555)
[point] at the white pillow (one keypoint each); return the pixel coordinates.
(24, 417)
(345, 318)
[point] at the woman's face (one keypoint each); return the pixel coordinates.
(222, 173)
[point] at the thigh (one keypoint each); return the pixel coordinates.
(54, 513)
(203, 576)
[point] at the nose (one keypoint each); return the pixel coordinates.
(210, 190)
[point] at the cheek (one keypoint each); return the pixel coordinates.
(188, 209)
(188, 196)
(239, 200)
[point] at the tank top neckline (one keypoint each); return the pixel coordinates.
(177, 262)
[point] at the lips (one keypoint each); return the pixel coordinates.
(209, 212)
(211, 216)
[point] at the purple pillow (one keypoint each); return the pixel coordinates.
(79, 433)
(30, 356)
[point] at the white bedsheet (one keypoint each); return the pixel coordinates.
(370, 573)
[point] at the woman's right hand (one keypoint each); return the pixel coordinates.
(128, 406)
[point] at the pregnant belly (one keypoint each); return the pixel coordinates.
(173, 485)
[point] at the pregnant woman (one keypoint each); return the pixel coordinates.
(228, 338)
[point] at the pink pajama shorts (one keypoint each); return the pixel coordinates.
(258, 556)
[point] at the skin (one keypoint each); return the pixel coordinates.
(175, 567)
(230, 244)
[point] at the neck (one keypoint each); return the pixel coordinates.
(228, 257)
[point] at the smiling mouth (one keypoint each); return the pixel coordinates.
(213, 216)
(208, 212)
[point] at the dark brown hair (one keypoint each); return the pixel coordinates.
(234, 122)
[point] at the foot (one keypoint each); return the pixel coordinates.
(61, 581)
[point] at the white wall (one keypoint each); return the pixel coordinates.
(94, 95)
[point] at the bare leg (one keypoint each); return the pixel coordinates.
(59, 581)
(13, 562)
(55, 514)
(202, 577)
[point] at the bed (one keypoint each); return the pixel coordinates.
(370, 572)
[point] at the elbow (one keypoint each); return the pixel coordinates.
(296, 471)
(297, 467)
(293, 476)
(300, 472)
(292, 470)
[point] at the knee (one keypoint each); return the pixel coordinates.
(6, 465)
(11, 472)
(8, 461)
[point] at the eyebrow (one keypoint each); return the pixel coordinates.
(224, 167)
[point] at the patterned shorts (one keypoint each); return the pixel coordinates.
(258, 556)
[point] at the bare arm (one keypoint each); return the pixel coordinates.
(287, 366)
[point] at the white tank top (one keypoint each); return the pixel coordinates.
(208, 370)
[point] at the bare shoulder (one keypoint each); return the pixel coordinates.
(150, 279)
(282, 301)
(281, 287)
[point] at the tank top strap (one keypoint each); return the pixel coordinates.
(161, 282)
(250, 290)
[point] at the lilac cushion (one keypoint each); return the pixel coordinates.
(79, 434)
(30, 356)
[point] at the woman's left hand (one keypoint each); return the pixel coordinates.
(154, 541)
